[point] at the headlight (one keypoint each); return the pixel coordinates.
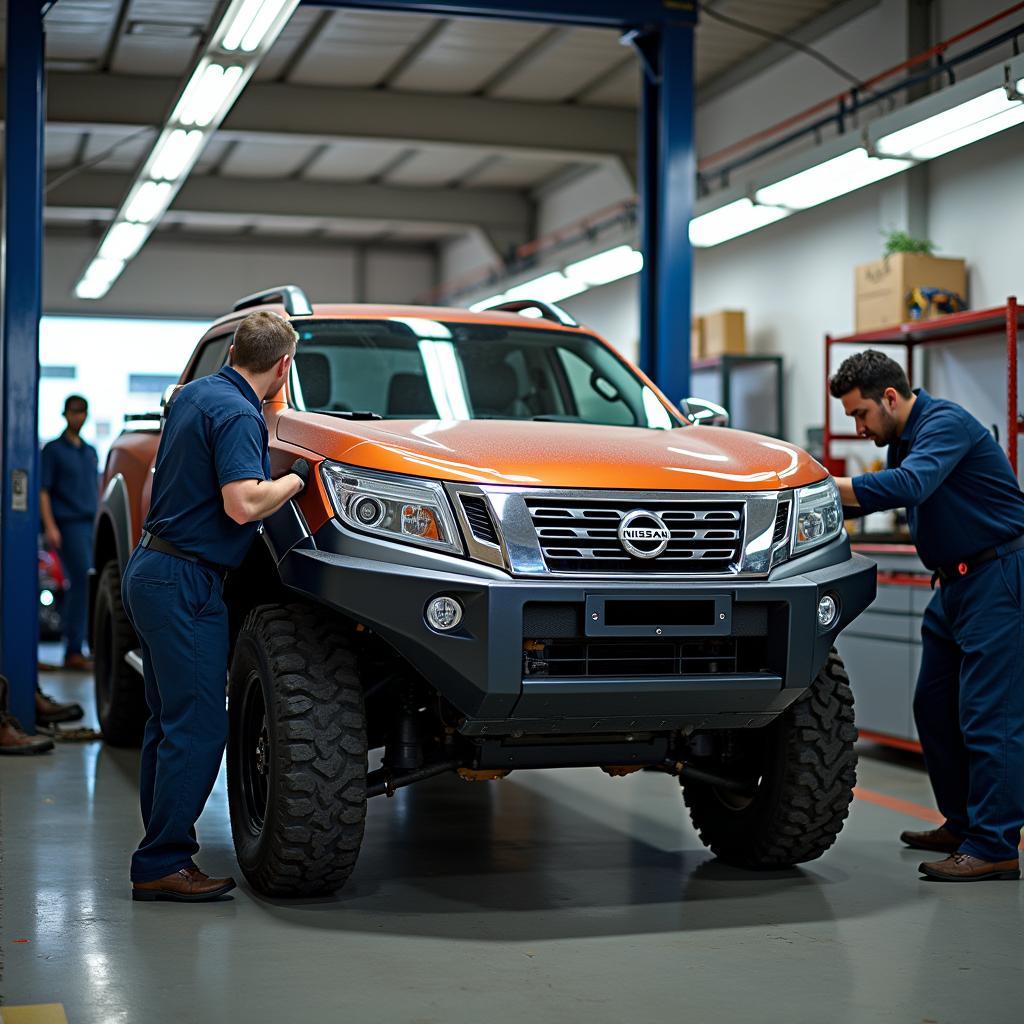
(403, 509)
(819, 515)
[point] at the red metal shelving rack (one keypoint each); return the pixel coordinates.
(940, 330)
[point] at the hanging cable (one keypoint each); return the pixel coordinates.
(98, 159)
(776, 37)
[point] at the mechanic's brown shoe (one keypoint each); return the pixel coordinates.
(50, 712)
(77, 663)
(962, 867)
(15, 742)
(188, 885)
(941, 840)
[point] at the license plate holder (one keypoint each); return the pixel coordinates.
(643, 615)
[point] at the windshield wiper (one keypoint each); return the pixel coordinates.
(350, 414)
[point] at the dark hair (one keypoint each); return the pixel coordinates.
(75, 398)
(871, 371)
(261, 339)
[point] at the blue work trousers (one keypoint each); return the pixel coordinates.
(177, 609)
(969, 706)
(76, 559)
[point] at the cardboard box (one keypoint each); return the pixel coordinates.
(882, 288)
(725, 333)
(697, 339)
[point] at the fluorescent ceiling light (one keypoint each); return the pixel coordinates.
(103, 269)
(829, 180)
(606, 267)
(89, 288)
(732, 220)
(210, 88)
(553, 287)
(959, 126)
(98, 278)
(123, 241)
(971, 133)
(254, 19)
(149, 202)
(175, 154)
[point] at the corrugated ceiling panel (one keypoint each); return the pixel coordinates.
(61, 147)
(465, 54)
(358, 49)
(435, 168)
(352, 161)
(162, 38)
(720, 46)
(558, 71)
(288, 42)
(619, 89)
(514, 172)
(128, 154)
(212, 155)
(80, 30)
(251, 159)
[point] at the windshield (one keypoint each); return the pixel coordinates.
(407, 368)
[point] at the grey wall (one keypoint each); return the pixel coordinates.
(202, 278)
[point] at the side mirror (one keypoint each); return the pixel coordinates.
(167, 398)
(701, 412)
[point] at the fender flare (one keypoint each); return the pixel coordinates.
(116, 508)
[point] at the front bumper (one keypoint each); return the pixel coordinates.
(480, 666)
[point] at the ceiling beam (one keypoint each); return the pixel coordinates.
(505, 215)
(320, 114)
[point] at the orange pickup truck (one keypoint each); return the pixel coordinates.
(515, 554)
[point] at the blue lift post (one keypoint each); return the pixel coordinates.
(662, 33)
(21, 266)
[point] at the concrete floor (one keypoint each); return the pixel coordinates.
(550, 897)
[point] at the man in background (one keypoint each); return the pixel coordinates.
(67, 504)
(965, 510)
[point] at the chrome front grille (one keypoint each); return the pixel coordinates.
(582, 535)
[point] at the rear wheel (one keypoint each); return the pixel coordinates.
(800, 772)
(296, 752)
(120, 694)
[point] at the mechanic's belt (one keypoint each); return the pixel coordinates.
(957, 570)
(155, 543)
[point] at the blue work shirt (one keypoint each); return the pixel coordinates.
(70, 475)
(956, 483)
(215, 433)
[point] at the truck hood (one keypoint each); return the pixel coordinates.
(541, 454)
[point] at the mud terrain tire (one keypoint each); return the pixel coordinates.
(296, 752)
(120, 693)
(807, 767)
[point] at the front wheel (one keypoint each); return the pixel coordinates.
(296, 752)
(800, 770)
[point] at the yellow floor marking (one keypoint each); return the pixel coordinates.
(50, 1013)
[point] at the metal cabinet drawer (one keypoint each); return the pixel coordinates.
(880, 676)
(874, 623)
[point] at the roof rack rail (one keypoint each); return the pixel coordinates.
(291, 296)
(548, 310)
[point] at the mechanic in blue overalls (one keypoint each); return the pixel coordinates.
(210, 490)
(966, 515)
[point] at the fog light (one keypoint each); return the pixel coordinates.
(828, 609)
(444, 613)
